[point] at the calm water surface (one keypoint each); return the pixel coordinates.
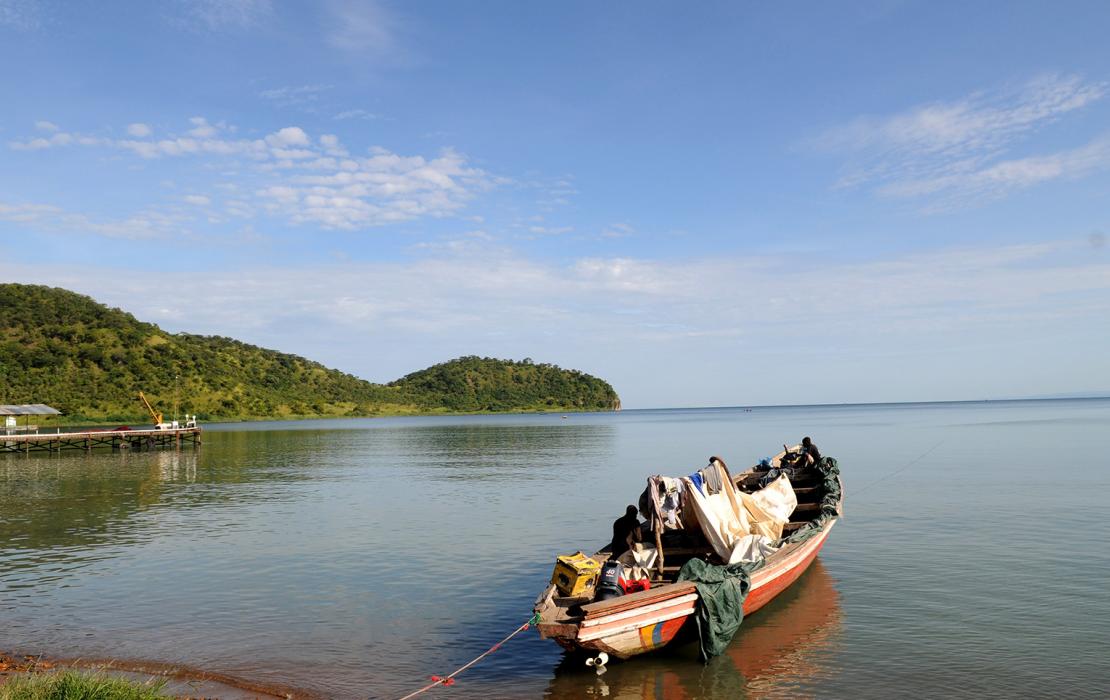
(355, 558)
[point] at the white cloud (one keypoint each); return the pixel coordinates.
(946, 145)
(312, 180)
(292, 153)
(197, 199)
(46, 126)
(201, 128)
(332, 146)
(59, 138)
(31, 145)
(138, 130)
(289, 136)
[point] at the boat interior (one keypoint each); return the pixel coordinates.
(679, 546)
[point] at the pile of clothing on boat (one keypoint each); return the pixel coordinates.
(741, 527)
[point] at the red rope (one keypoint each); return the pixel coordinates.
(450, 679)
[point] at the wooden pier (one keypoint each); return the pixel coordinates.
(87, 440)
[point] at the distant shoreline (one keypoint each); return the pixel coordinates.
(425, 414)
(946, 402)
(141, 420)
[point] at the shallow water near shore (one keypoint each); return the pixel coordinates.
(355, 558)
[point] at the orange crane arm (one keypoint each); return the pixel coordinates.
(153, 414)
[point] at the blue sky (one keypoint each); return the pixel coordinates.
(718, 204)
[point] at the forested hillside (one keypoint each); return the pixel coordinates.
(90, 361)
(483, 384)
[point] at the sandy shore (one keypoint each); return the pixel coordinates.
(181, 681)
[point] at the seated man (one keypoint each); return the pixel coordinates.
(792, 461)
(626, 530)
(812, 454)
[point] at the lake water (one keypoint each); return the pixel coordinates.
(356, 558)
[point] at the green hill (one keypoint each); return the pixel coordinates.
(482, 384)
(90, 361)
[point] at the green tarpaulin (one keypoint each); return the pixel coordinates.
(720, 608)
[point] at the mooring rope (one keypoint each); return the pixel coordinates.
(450, 679)
(909, 464)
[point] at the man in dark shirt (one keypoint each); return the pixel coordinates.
(813, 455)
(626, 530)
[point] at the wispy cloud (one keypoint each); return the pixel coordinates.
(139, 130)
(227, 14)
(998, 179)
(357, 114)
(360, 26)
(957, 150)
(460, 294)
(618, 230)
(26, 213)
(295, 96)
(148, 224)
(304, 178)
(539, 230)
(57, 138)
(20, 14)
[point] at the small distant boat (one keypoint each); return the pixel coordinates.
(643, 621)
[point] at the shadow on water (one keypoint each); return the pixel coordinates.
(783, 650)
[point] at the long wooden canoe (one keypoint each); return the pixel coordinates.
(642, 622)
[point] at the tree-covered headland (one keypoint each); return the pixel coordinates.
(90, 361)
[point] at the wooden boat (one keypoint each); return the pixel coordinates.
(777, 654)
(637, 623)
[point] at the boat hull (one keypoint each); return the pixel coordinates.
(654, 624)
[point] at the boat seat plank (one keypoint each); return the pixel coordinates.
(660, 593)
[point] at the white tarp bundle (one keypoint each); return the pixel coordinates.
(770, 507)
(638, 560)
(741, 526)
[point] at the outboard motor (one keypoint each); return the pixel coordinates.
(609, 585)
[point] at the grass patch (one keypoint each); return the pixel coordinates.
(70, 685)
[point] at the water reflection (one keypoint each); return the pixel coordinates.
(783, 650)
(83, 500)
(483, 452)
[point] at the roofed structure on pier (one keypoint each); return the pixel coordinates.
(29, 409)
